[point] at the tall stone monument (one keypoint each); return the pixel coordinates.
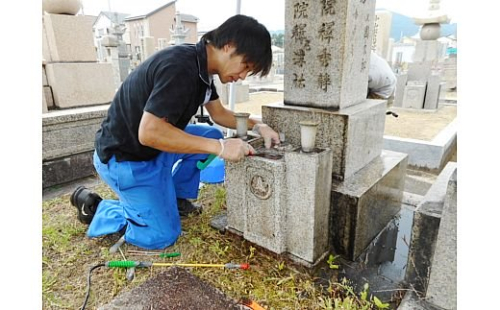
(116, 53)
(421, 86)
(343, 193)
(381, 34)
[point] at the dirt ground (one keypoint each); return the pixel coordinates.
(414, 124)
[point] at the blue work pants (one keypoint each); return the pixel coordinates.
(148, 192)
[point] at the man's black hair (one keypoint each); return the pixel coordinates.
(251, 39)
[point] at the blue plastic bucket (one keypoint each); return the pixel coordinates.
(214, 172)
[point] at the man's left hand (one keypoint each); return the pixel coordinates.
(270, 136)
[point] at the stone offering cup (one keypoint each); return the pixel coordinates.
(241, 124)
(308, 131)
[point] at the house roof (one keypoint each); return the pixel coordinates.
(150, 12)
(189, 18)
(115, 17)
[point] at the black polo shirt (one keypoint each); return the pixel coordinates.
(170, 84)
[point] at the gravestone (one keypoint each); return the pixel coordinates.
(425, 66)
(381, 34)
(116, 53)
(327, 54)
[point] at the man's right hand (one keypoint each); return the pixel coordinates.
(236, 149)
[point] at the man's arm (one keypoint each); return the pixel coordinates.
(159, 134)
(225, 117)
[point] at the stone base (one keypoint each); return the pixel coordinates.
(442, 289)
(67, 169)
(427, 155)
(354, 134)
(424, 234)
(280, 203)
(80, 84)
(365, 203)
(69, 132)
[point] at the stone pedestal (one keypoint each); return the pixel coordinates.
(68, 143)
(70, 132)
(365, 203)
(354, 134)
(280, 203)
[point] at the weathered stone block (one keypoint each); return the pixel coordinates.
(414, 95)
(308, 181)
(280, 203)
(46, 57)
(80, 84)
(264, 199)
(44, 103)
(425, 227)
(442, 289)
(49, 98)
(70, 132)
(418, 71)
(427, 51)
(69, 38)
(44, 77)
(354, 134)
(450, 72)
(402, 79)
(365, 203)
(67, 169)
(328, 51)
(432, 92)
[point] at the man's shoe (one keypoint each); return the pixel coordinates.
(85, 202)
(186, 207)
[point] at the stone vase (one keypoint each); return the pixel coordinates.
(308, 131)
(241, 124)
(69, 7)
